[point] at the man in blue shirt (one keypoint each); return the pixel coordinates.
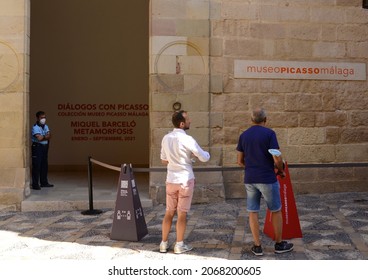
(40, 147)
(260, 179)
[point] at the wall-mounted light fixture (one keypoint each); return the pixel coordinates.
(365, 4)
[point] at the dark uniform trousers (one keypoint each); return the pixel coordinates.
(39, 164)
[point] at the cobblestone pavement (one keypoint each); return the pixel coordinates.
(334, 226)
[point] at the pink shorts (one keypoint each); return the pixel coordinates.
(179, 197)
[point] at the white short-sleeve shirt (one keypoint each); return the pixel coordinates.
(178, 148)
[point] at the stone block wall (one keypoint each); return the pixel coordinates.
(179, 60)
(317, 121)
(14, 75)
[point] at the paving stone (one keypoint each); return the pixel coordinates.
(334, 227)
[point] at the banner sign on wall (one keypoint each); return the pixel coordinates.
(264, 69)
(102, 122)
(93, 128)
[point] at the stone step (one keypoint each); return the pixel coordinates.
(7, 208)
(64, 205)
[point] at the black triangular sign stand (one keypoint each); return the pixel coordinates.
(128, 223)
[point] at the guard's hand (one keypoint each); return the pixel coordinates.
(281, 174)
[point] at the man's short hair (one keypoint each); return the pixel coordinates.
(178, 118)
(258, 115)
(39, 113)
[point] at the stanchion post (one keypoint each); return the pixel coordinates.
(90, 211)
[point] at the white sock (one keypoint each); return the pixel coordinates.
(181, 243)
(165, 242)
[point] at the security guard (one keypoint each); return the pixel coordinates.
(40, 148)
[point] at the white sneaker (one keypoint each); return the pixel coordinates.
(178, 249)
(164, 246)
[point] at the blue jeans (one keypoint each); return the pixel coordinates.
(270, 193)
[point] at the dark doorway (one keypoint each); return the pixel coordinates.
(89, 73)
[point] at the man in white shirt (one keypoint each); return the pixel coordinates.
(177, 152)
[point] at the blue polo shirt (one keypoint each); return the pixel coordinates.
(259, 164)
(38, 129)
